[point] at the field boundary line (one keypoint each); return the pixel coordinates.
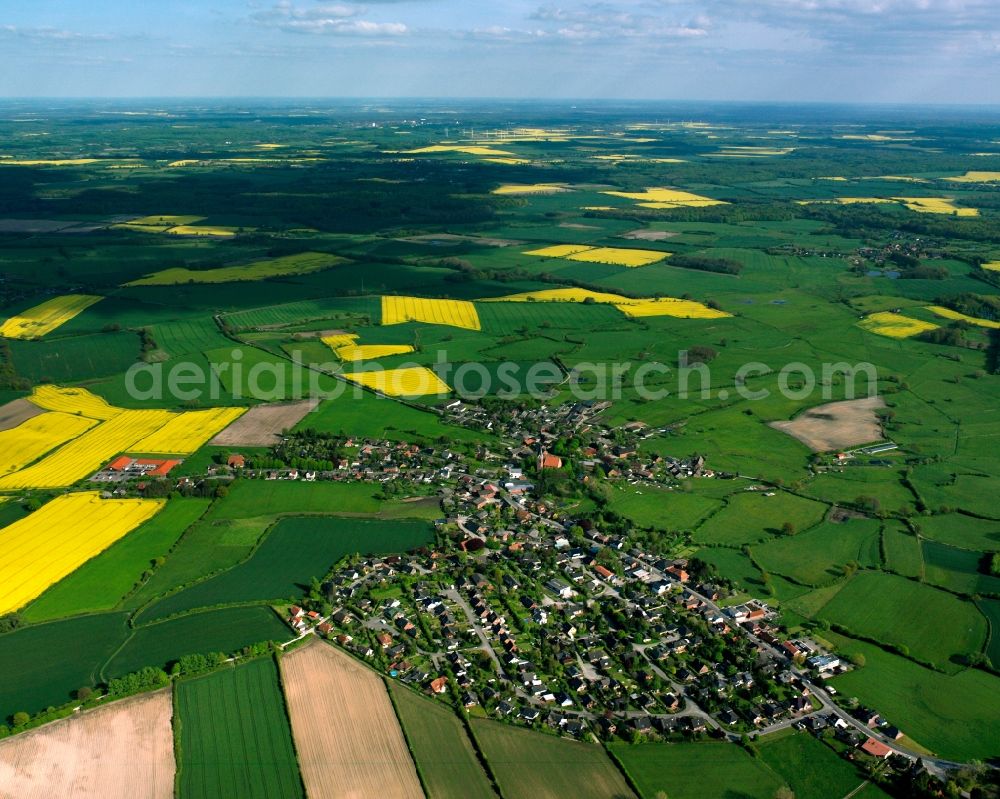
(629, 781)
(276, 660)
(406, 735)
(481, 755)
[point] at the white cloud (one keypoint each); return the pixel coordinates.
(326, 18)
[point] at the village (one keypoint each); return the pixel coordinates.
(523, 612)
(570, 630)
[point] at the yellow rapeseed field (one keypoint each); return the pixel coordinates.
(936, 205)
(616, 256)
(924, 205)
(46, 317)
(414, 381)
(86, 454)
(161, 221)
(559, 250)
(619, 256)
(561, 295)
(666, 198)
(202, 230)
(665, 306)
(894, 325)
(670, 306)
(454, 313)
(347, 349)
(299, 264)
(339, 340)
(43, 548)
(535, 188)
(77, 401)
(31, 439)
(187, 431)
(977, 177)
(992, 266)
(120, 430)
(948, 313)
(47, 161)
(464, 149)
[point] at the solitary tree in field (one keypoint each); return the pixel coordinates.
(788, 528)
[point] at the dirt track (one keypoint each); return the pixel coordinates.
(346, 733)
(122, 751)
(836, 425)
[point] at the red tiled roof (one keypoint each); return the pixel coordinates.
(164, 468)
(876, 748)
(119, 463)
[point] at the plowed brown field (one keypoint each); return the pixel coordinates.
(122, 751)
(346, 732)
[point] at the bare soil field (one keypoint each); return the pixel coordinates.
(649, 235)
(262, 424)
(836, 425)
(122, 751)
(346, 733)
(17, 411)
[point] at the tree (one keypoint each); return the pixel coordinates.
(788, 528)
(84, 693)
(20, 718)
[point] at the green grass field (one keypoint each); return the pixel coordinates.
(665, 510)
(750, 516)
(883, 484)
(233, 525)
(234, 738)
(226, 631)
(250, 498)
(445, 759)
(101, 583)
(960, 530)
(73, 358)
(368, 415)
(36, 670)
(935, 626)
(696, 771)
(955, 716)
(531, 765)
(903, 552)
(809, 767)
(957, 569)
(818, 556)
(294, 551)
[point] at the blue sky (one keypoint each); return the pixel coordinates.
(907, 51)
